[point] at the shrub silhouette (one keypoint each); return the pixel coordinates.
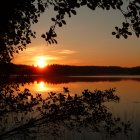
(59, 111)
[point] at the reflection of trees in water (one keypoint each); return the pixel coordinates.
(23, 115)
(65, 79)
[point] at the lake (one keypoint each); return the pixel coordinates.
(127, 109)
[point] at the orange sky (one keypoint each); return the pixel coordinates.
(85, 40)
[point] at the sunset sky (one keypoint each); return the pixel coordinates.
(85, 40)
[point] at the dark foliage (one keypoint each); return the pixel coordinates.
(17, 16)
(25, 114)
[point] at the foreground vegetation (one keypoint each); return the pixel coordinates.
(26, 115)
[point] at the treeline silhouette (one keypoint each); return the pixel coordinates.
(66, 70)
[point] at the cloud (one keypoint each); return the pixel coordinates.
(67, 52)
(33, 53)
(47, 57)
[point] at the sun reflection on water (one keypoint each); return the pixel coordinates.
(41, 86)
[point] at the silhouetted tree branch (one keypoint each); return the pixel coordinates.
(57, 112)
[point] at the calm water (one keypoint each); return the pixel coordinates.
(127, 88)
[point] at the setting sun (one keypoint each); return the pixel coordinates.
(41, 64)
(41, 61)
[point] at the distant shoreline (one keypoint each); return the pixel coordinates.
(113, 76)
(67, 70)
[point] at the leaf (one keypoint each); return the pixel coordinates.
(132, 21)
(84, 2)
(54, 35)
(113, 33)
(129, 33)
(77, 5)
(123, 24)
(58, 16)
(108, 8)
(116, 28)
(125, 36)
(49, 41)
(118, 7)
(117, 36)
(62, 4)
(55, 41)
(52, 41)
(53, 19)
(73, 11)
(56, 8)
(69, 14)
(35, 20)
(127, 25)
(64, 22)
(137, 34)
(43, 36)
(60, 24)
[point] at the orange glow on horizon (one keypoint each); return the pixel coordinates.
(40, 62)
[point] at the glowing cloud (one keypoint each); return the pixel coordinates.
(67, 52)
